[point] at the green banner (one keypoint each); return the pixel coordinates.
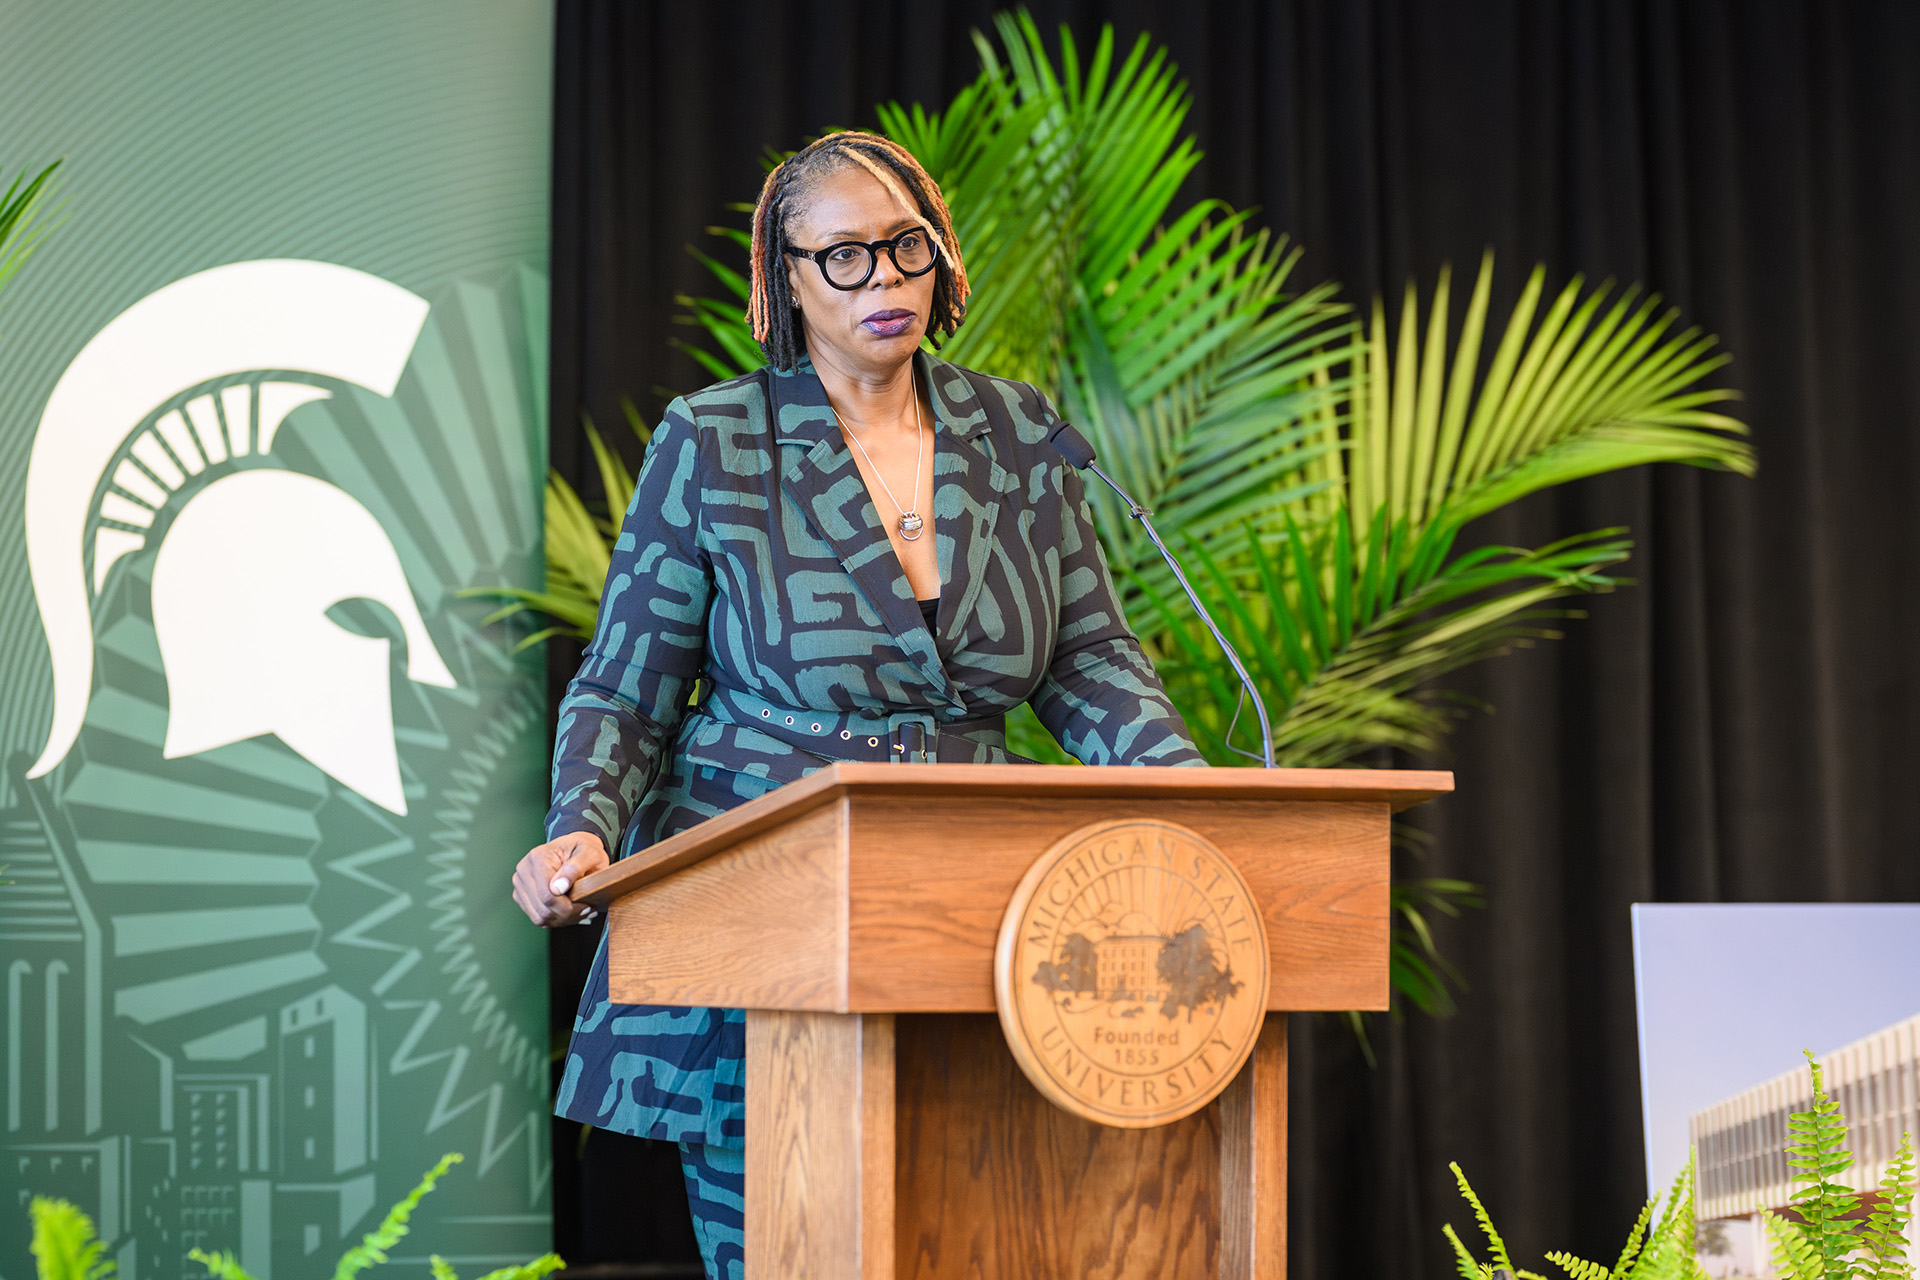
(271, 396)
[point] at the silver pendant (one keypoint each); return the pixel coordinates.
(910, 524)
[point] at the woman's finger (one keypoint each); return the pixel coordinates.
(582, 860)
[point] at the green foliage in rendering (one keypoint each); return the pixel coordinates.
(66, 1248)
(1316, 470)
(1829, 1231)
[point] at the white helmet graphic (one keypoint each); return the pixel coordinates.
(253, 560)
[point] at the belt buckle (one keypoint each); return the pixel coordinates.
(922, 750)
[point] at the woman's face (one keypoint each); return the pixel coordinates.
(877, 327)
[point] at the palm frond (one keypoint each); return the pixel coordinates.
(26, 217)
(1416, 969)
(1344, 632)
(579, 546)
(1581, 392)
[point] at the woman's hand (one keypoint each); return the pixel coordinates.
(549, 871)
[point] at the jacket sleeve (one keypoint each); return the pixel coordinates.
(1101, 697)
(649, 644)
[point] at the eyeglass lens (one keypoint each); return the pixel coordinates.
(849, 265)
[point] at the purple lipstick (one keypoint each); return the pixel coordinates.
(888, 324)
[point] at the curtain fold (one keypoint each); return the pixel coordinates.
(1738, 725)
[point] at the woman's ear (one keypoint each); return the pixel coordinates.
(793, 279)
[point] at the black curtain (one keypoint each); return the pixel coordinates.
(1734, 727)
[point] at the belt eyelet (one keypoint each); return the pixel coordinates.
(816, 728)
(846, 734)
(873, 742)
(789, 719)
(765, 714)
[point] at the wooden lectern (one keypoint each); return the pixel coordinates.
(854, 914)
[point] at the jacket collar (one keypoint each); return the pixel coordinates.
(818, 472)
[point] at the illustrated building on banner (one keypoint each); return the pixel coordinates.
(222, 1133)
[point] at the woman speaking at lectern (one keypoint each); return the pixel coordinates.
(860, 552)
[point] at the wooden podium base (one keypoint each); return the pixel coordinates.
(911, 1146)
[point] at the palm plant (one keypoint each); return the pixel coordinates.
(1318, 470)
(24, 220)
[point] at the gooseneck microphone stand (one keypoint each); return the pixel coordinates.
(1079, 454)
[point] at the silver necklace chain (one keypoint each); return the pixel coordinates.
(911, 524)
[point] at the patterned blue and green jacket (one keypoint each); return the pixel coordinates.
(753, 561)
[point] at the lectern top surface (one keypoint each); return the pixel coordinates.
(1397, 788)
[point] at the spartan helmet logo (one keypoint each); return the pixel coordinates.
(254, 558)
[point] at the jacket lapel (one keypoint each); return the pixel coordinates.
(819, 474)
(969, 487)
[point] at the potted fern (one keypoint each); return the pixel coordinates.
(1828, 1232)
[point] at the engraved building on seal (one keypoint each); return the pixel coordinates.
(1132, 970)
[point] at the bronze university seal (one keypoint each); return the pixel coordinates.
(1131, 972)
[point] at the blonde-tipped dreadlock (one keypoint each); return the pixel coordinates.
(770, 305)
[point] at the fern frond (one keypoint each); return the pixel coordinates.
(1670, 1252)
(1794, 1256)
(1495, 1245)
(64, 1245)
(221, 1266)
(1817, 1153)
(1635, 1239)
(1469, 1267)
(441, 1268)
(544, 1265)
(1579, 1268)
(373, 1246)
(1885, 1236)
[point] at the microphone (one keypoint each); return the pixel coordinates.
(1079, 454)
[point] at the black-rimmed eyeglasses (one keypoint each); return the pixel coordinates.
(850, 263)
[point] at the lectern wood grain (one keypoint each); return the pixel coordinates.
(760, 926)
(820, 1163)
(925, 941)
(1252, 1116)
(995, 1181)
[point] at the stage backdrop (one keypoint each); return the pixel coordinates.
(271, 396)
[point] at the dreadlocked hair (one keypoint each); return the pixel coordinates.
(771, 310)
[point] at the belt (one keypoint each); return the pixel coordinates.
(899, 737)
